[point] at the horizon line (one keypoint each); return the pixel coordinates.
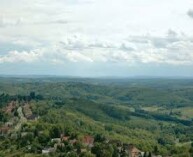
(93, 77)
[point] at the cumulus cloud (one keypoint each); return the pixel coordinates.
(16, 57)
(173, 48)
(95, 32)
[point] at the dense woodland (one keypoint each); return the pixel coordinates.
(154, 115)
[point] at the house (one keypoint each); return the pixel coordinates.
(132, 151)
(27, 110)
(11, 106)
(156, 156)
(83, 150)
(56, 145)
(23, 134)
(88, 141)
(9, 124)
(64, 138)
(4, 130)
(48, 150)
(14, 136)
(57, 140)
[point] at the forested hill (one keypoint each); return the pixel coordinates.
(155, 115)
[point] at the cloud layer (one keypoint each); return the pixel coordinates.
(96, 33)
(170, 49)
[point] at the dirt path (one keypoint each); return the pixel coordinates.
(22, 119)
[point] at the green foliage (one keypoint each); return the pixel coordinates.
(3, 117)
(87, 154)
(148, 113)
(114, 112)
(102, 150)
(55, 131)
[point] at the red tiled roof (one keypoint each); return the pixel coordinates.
(65, 138)
(89, 140)
(134, 151)
(10, 107)
(4, 129)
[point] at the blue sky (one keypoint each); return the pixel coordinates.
(96, 37)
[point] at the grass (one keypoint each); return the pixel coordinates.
(186, 112)
(151, 108)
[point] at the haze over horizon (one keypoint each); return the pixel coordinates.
(96, 38)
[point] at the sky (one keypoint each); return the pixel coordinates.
(94, 38)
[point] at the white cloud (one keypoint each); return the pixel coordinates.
(173, 48)
(76, 56)
(16, 57)
(96, 31)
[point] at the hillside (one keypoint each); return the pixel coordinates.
(153, 115)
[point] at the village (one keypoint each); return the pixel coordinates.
(18, 115)
(21, 113)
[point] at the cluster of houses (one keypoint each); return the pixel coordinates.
(5, 128)
(9, 109)
(88, 142)
(28, 112)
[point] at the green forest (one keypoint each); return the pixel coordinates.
(82, 117)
